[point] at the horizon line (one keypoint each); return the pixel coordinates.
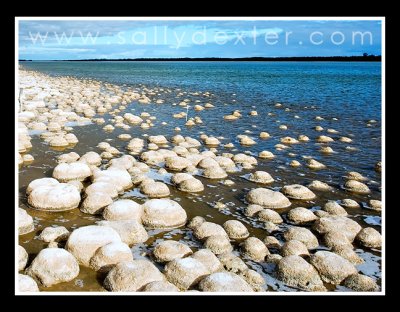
(367, 57)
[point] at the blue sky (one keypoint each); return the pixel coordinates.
(78, 39)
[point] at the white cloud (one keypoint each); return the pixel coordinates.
(37, 50)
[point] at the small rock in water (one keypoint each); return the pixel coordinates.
(255, 249)
(332, 267)
(369, 237)
(349, 203)
(359, 282)
(375, 204)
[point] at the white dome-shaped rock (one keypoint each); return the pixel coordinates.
(301, 215)
(57, 197)
(130, 231)
(25, 222)
(303, 235)
(52, 266)
(332, 267)
(65, 172)
(369, 237)
(185, 273)
(297, 191)
(107, 256)
(206, 229)
(261, 177)
(27, 284)
(294, 271)
(218, 244)
(267, 198)
(163, 213)
(22, 258)
(255, 249)
(235, 229)
(169, 250)
(84, 241)
(132, 276)
(336, 223)
(224, 282)
(123, 209)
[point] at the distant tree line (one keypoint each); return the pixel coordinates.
(364, 58)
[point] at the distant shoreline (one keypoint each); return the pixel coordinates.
(368, 58)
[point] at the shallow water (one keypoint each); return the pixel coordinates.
(349, 92)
